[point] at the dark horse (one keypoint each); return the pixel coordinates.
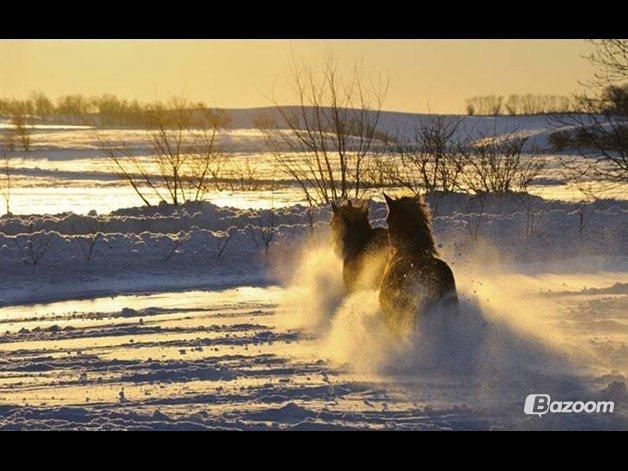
(363, 248)
(414, 278)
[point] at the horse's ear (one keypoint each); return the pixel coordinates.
(349, 203)
(334, 208)
(389, 200)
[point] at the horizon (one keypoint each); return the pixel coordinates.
(426, 76)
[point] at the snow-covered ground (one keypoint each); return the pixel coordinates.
(298, 357)
(184, 318)
(227, 336)
(65, 171)
(201, 244)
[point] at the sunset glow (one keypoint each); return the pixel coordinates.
(424, 75)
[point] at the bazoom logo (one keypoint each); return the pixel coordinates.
(539, 404)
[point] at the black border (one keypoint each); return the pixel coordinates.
(316, 19)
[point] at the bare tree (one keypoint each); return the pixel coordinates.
(599, 133)
(74, 108)
(42, 105)
(327, 140)
(183, 148)
(610, 59)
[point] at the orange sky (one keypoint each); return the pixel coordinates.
(424, 74)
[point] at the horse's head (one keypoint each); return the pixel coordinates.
(409, 224)
(350, 223)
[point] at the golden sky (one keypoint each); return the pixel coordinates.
(424, 74)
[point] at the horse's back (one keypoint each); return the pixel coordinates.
(412, 284)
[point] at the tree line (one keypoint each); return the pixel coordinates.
(612, 98)
(100, 110)
(519, 104)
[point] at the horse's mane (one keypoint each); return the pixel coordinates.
(413, 227)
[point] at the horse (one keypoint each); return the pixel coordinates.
(363, 248)
(415, 279)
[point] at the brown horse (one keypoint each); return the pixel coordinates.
(362, 247)
(414, 277)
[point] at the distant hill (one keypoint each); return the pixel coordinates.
(392, 122)
(242, 118)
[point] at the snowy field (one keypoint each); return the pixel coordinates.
(66, 171)
(182, 318)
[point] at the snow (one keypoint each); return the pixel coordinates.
(169, 247)
(202, 351)
(239, 359)
(181, 320)
(66, 171)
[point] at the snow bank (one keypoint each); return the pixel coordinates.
(167, 240)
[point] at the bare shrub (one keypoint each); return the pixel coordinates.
(560, 140)
(177, 240)
(240, 175)
(589, 193)
(36, 246)
(429, 160)
(497, 164)
(263, 233)
(475, 215)
(326, 142)
(22, 128)
(87, 239)
(531, 208)
(5, 181)
(222, 247)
